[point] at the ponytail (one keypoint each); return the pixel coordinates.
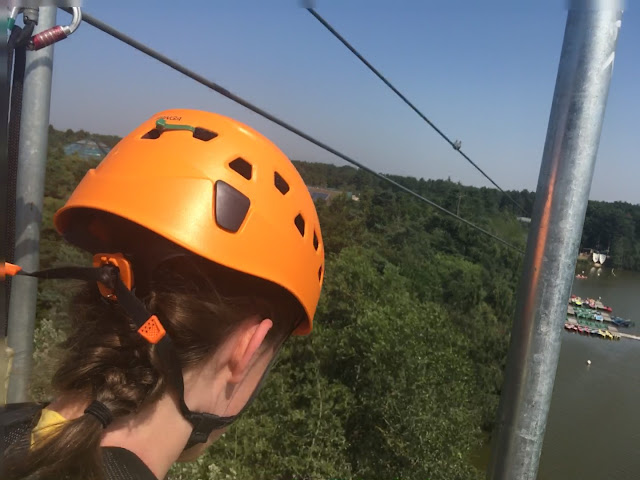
(105, 360)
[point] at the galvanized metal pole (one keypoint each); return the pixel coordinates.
(568, 161)
(32, 160)
(5, 351)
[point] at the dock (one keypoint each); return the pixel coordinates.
(606, 322)
(599, 305)
(605, 315)
(611, 328)
(625, 335)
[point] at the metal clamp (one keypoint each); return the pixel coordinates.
(57, 33)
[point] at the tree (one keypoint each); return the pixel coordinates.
(414, 415)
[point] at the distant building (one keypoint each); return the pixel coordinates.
(585, 253)
(319, 194)
(327, 194)
(87, 149)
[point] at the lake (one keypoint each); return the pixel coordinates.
(593, 430)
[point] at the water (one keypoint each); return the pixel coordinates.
(593, 429)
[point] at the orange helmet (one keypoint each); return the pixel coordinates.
(216, 188)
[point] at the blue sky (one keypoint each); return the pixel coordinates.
(484, 72)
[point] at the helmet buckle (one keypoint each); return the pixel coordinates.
(125, 271)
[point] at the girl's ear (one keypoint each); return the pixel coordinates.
(247, 347)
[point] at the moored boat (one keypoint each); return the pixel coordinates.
(621, 322)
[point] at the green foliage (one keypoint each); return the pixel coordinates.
(63, 173)
(413, 386)
(46, 339)
(295, 428)
(204, 468)
(614, 227)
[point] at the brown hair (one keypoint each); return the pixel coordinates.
(107, 360)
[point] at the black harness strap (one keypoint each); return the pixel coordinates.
(16, 44)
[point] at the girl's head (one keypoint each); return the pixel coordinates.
(221, 241)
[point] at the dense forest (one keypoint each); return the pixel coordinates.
(614, 227)
(402, 373)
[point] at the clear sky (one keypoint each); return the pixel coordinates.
(484, 72)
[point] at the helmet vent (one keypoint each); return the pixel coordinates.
(204, 134)
(231, 206)
(241, 166)
(152, 134)
(299, 221)
(316, 244)
(280, 183)
(320, 273)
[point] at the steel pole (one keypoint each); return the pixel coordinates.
(34, 129)
(5, 351)
(568, 161)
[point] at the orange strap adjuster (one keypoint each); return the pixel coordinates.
(10, 269)
(152, 330)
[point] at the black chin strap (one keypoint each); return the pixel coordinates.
(203, 423)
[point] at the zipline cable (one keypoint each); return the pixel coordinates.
(456, 146)
(109, 30)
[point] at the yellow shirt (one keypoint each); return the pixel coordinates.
(48, 420)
